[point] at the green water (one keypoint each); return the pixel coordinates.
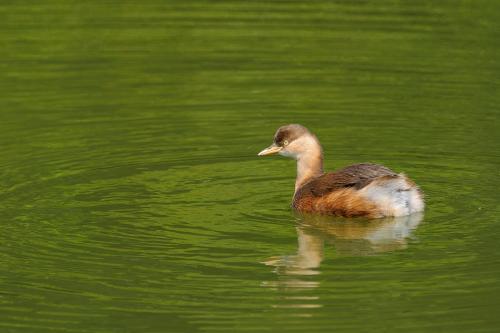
(132, 199)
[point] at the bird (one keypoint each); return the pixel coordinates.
(360, 190)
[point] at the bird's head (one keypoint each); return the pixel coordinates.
(292, 141)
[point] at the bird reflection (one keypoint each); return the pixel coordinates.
(348, 237)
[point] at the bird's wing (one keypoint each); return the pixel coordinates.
(357, 176)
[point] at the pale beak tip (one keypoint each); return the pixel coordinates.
(271, 150)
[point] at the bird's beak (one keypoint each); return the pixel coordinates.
(272, 149)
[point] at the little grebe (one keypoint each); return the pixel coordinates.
(364, 189)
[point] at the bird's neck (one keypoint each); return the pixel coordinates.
(309, 164)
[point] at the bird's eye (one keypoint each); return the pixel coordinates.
(285, 142)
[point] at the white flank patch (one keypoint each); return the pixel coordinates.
(394, 196)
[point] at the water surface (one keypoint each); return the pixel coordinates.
(133, 201)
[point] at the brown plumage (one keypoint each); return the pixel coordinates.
(337, 192)
(364, 189)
